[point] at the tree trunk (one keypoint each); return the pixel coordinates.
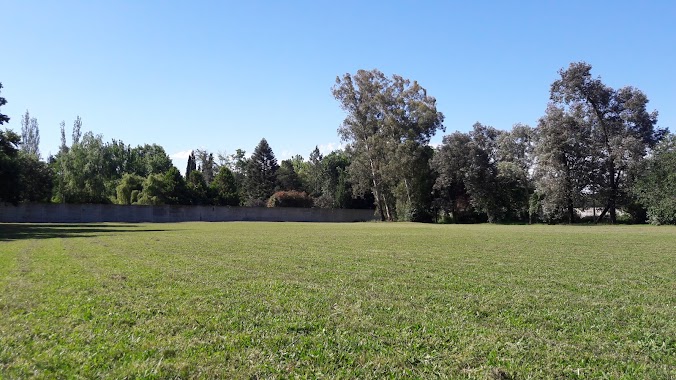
(388, 213)
(613, 211)
(603, 213)
(612, 200)
(379, 201)
(571, 211)
(376, 192)
(611, 167)
(408, 191)
(569, 197)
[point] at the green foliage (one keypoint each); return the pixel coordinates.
(655, 187)
(385, 117)
(481, 176)
(237, 163)
(147, 159)
(449, 164)
(565, 157)
(85, 170)
(287, 178)
(129, 188)
(35, 180)
(618, 123)
(176, 191)
(336, 187)
(197, 188)
(485, 171)
(167, 188)
(290, 198)
(515, 190)
(349, 301)
(535, 214)
(302, 168)
(315, 173)
(155, 189)
(261, 174)
(588, 148)
(206, 164)
(191, 165)
(89, 171)
(23, 177)
(10, 167)
(3, 118)
(224, 188)
(30, 135)
(414, 192)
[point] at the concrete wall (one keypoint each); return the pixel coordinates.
(87, 213)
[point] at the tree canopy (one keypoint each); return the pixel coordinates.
(620, 127)
(593, 146)
(387, 120)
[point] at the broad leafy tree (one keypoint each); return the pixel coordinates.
(148, 159)
(620, 126)
(516, 156)
(413, 190)
(336, 188)
(655, 186)
(485, 171)
(481, 174)
(166, 188)
(450, 163)
(36, 179)
(86, 172)
(155, 189)
(128, 189)
(564, 162)
(383, 116)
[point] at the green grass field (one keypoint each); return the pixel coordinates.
(369, 300)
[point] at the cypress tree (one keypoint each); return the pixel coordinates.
(192, 165)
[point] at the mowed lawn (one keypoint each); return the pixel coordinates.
(364, 300)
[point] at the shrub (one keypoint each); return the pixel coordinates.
(290, 199)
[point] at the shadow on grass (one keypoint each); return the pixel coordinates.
(19, 231)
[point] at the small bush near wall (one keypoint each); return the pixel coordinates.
(290, 199)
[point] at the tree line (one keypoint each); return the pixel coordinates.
(90, 170)
(595, 147)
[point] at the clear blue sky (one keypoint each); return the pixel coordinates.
(222, 75)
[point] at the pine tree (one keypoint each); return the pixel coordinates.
(261, 174)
